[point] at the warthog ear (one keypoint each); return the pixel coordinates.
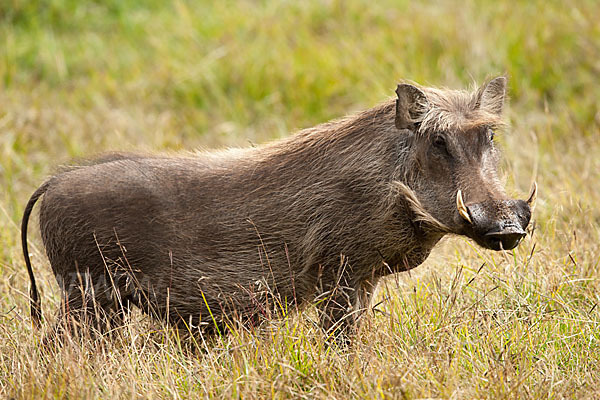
(492, 95)
(411, 106)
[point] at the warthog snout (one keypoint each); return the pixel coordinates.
(497, 224)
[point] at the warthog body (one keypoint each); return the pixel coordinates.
(326, 212)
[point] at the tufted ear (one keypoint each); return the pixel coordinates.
(492, 95)
(411, 106)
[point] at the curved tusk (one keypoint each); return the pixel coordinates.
(462, 209)
(532, 196)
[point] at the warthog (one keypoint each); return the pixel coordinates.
(322, 214)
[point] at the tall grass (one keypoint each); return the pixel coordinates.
(79, 77)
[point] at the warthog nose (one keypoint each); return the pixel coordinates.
(507, 239)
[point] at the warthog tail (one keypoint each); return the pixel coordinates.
(36, 310)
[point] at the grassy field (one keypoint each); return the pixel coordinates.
(79, 77)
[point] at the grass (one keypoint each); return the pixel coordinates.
(79, 77)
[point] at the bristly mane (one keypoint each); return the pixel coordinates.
(459, 111)
(448, 111)
(379, 117)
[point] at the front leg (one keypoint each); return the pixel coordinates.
(336, 307)
(342, 303)
(365, 290)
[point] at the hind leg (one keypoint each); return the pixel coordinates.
(91, 308)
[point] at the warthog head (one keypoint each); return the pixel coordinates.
(455, 162)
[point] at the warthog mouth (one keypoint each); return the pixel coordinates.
(504, 239)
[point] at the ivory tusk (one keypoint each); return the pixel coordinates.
(462, 209)
(532, 196)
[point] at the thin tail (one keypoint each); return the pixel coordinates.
(36, 309)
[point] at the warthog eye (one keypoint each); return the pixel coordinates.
(439, 142)
(491, 134)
